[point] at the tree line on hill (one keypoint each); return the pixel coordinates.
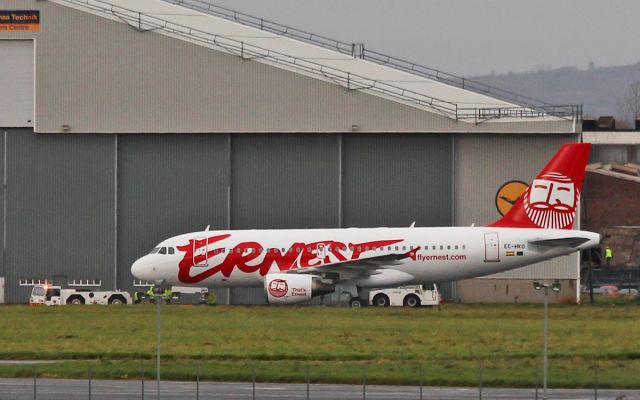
(602, 91)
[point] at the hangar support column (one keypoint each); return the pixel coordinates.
(453, 285)
(4, 206)
(115, 212)
(229, 178)
(340, 178)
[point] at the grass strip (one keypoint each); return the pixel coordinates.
(334, 343)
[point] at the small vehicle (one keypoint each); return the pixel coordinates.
(190, 295)
(56, 296)
(612, 291)
(408, 296)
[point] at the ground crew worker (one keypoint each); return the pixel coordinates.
(167, 294)
(150, 293)
(608, 255)
(136, 297)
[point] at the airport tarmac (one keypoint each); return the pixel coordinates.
(72, 389)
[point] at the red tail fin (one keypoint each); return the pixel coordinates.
(552, 199)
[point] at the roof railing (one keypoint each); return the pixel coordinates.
(265, 25)
(358, 50)
(146, 22)
(479, 115)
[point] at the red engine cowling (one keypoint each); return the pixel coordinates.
(292, 289)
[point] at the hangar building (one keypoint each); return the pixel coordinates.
(125, 122)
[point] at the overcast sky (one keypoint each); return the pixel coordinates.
(471, 37)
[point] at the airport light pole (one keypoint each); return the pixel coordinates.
(158, 297)
(556, 288)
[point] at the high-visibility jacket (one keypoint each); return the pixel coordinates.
(608, 253)
(166, 295)
(150, 292)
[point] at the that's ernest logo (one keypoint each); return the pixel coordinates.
(278, 288)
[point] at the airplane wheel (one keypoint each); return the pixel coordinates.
(356, 302)
(381, 300)
(411, 301)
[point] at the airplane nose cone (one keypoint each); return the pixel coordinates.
(137, 269)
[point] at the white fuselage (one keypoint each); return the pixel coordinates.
(243, 258)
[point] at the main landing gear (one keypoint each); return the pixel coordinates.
(356, 302)
(357, 296)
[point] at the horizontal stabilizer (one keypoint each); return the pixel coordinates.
(571, 242)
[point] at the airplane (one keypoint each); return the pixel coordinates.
(295, 265)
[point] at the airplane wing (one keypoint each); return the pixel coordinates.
(560, 242)
(362, 265)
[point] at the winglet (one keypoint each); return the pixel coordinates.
(207, 228)
(552, 198)
(413, 224)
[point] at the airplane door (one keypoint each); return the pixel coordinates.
(200, 252)
(322, 251)
(491, 247)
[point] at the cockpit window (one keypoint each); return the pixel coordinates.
(155, 250)
(163, 250)
(171, 251)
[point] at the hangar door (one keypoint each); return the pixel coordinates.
(16, 81)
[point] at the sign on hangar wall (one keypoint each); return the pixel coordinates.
(19, 20)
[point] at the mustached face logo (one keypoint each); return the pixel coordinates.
(278, 288)
(551, 201)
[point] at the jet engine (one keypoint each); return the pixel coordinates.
(292, 288)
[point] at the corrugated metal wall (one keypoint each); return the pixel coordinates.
(97, 75)
(483, 164)
(61, 199)
(4, 136)
(59, 207)
(71, 197)
(393, 180)
(285, 181)
(168, 185)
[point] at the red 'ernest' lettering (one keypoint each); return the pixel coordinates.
(244, 256)
(188, 261)
(284, 261)
(313, 254)
(335, 249)
(358, 248)
(240, 256)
